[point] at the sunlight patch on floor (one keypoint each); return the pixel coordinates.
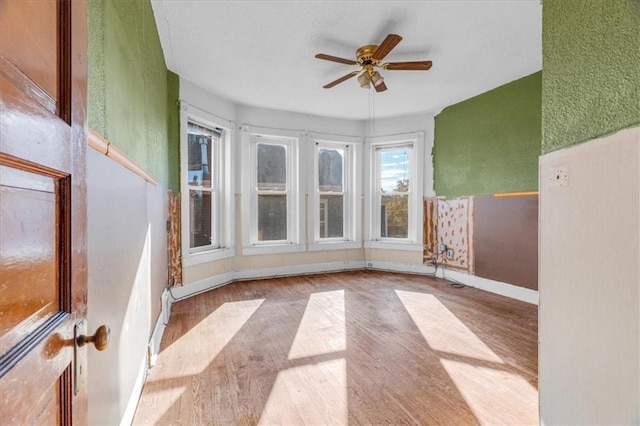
(442, 330)
(494, 396)
(156, 404)
(310, 394)
(322, 329)
(194, 352)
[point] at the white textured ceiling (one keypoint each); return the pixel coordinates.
(261, 53)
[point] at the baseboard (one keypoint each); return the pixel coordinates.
(313, 268)
(503, 289)
(134, 398)
(182, 292)
(158, 332)
(410, 268)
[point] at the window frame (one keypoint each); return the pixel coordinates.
(222, 187)
(351, 238)
(414, 239)
(251, 137)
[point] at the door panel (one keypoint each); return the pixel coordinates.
(28, 220)
(28, 39)
(42, 209)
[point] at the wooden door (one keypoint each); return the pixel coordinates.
(43, 272)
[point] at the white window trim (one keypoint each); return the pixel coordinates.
(414, 242)
(223, 214)
(352, 180)
(295, 205)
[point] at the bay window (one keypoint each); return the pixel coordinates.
(332, 195)
(272, 202)
(395, 192)
(205, 157)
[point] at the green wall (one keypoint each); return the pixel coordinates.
(130, 87)
(173, 128)
(490, 143)
(591, 69)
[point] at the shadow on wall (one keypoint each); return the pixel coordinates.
(125, 238)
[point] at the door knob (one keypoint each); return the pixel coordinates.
(100, 338)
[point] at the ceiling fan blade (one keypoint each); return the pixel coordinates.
(408, 66)
(387, 45)
(380, 87)
(340, 80)
(335, 59)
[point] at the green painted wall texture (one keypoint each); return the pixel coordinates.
(129, 86)
(591, 69)
(490, 143)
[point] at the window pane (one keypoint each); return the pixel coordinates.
(272, 167)
(199, 218)
(330, 170)
(394, 216)
(199, 157)
(331, 216)
(272, 217)
(394, 169)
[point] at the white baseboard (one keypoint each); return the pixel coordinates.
(503, 289)
(158, 332)
(411, 268)
(182, 292)
(134, 398)
(313, 268)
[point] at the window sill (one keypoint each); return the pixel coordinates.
(273, 249)
(208, 256)
(335, 245)
(394, 245)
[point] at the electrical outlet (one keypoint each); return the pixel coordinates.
(450, 254)
(559, 176)
(442, 248)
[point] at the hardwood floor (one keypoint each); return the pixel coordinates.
(352, 347)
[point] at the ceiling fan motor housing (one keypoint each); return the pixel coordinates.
(365, 55)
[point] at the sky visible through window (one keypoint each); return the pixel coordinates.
(394, 167)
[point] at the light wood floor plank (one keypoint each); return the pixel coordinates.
(418, 351)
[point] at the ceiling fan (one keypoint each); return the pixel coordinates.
(368, 58)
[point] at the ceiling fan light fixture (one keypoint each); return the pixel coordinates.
(364, 80)
(376, 78)
(370, 57)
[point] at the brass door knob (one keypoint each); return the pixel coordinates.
(100, 338)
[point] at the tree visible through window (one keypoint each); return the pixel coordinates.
(393, 182)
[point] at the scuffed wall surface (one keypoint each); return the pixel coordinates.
(455, 230)
(490, 143)
(491, 237)
(591, 78)
(449, 222)
(429, 230)
(174, 244)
